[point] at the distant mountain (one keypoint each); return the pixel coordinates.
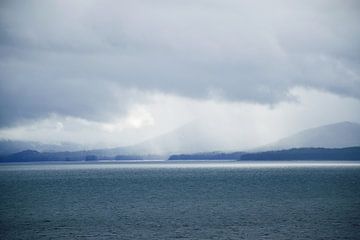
(35, 156)
(11, 146)
(11, 150)
(189, 138)
(351, 153)
(338, 135)
(195, 138)
(192, 137)
(184, 141)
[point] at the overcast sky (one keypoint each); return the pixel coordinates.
(119, 72)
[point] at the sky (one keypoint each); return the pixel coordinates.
(115, 73)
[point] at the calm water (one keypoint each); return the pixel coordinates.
(207, 200)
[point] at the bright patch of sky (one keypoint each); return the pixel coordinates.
(119, 72)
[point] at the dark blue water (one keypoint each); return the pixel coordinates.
(179, 201)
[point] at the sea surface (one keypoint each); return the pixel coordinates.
(180, 200)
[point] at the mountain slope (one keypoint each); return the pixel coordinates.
(338, 135)
(189, 138)
(13, 146)
(350, 153)
(193, 137)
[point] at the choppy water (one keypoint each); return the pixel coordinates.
(207, 200)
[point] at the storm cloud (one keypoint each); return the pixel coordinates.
(95, 59)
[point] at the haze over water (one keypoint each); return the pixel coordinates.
(180, 200)
(217, 79)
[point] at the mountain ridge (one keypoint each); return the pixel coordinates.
(335, 135)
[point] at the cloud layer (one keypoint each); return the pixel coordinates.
(95, 59)
(219, 125)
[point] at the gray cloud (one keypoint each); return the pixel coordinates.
(93, 59)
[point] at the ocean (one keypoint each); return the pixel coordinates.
(180, 200)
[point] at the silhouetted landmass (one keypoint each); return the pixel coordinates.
(337, 135)
(350, 153)
(208, 156)
(8, 147)
(24, 156)
(35, 156)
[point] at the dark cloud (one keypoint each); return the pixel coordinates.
(92, 59)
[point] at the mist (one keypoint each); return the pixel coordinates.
(117, 73)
